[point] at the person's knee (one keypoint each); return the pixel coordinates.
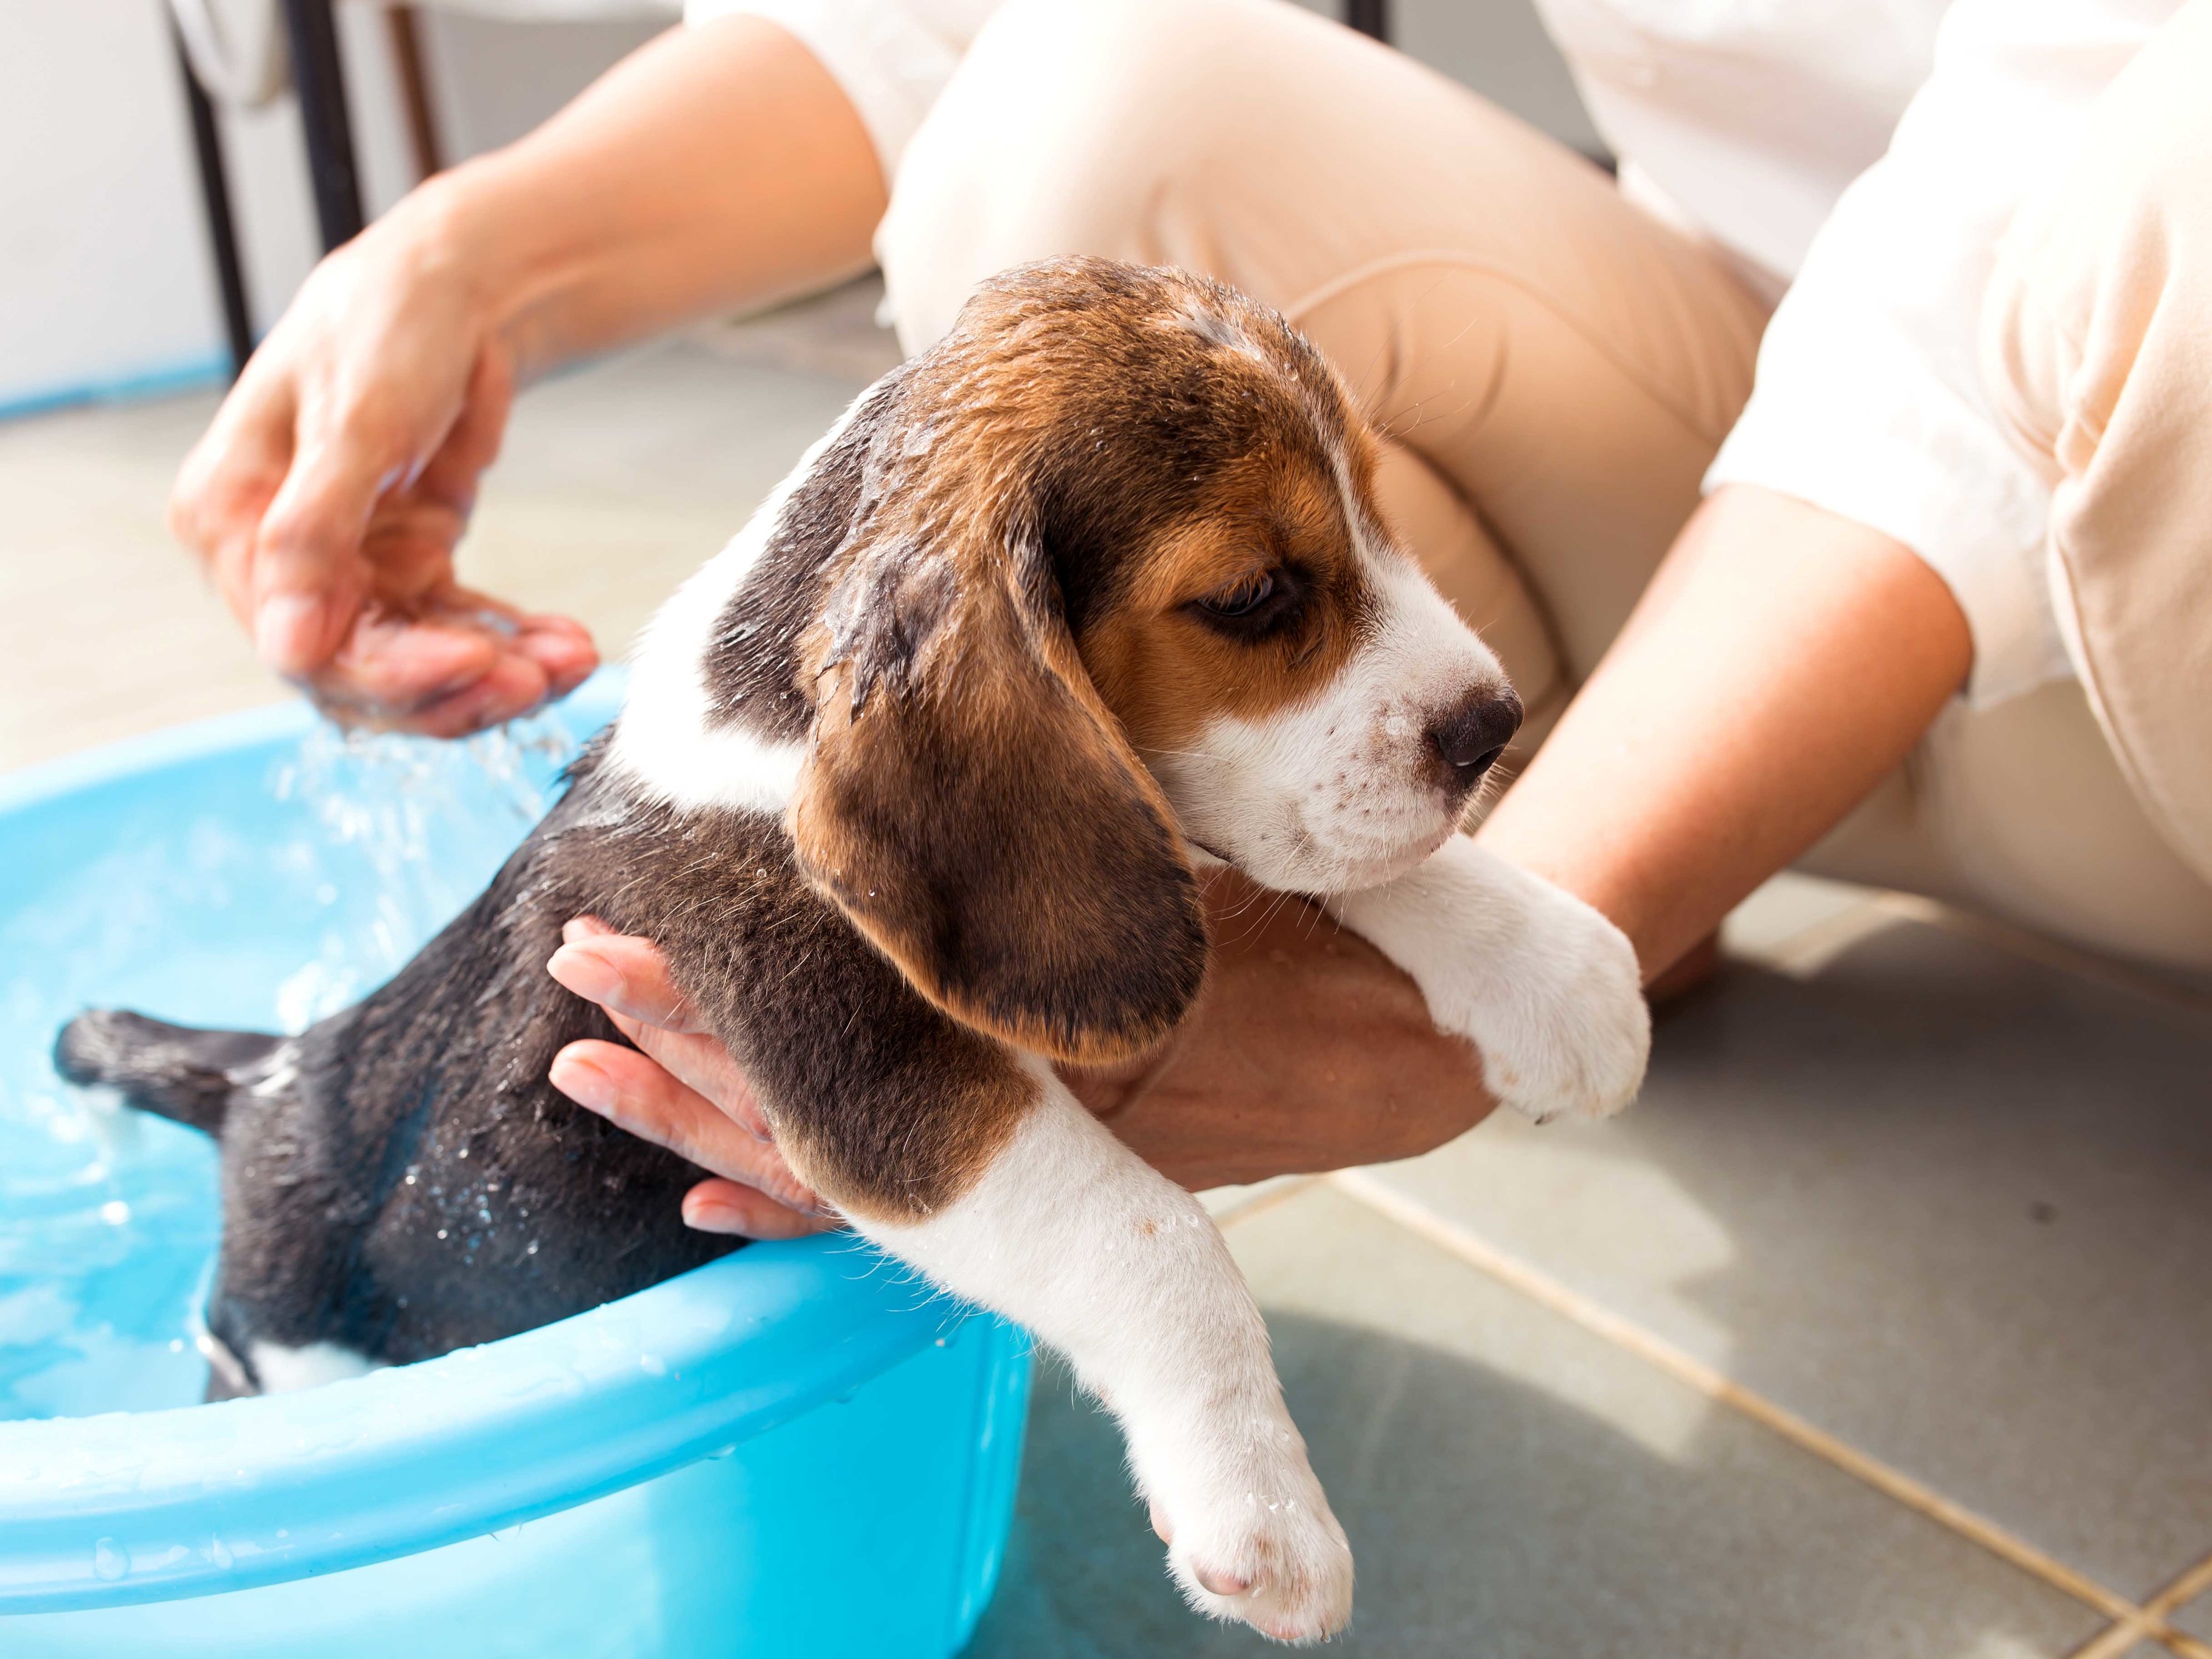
(1067, 126)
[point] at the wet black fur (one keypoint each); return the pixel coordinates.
(402, 1181)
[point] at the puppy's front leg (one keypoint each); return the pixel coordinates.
(1544, 987)
(1069, 1232)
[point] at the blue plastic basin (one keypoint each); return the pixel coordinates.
(796, 1450)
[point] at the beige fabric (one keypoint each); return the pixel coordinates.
(1553, 368)
(2097, 345)
(2020, 811)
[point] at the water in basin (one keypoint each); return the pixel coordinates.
(187, 911)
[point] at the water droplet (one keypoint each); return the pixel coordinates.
(218, 1554)
(532, 1250)
(442, 1232)
(652, 1365)
(115, 1212)
(110, 1560)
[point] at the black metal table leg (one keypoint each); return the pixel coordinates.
(320, 82)
(215, 198)
(1369, 17)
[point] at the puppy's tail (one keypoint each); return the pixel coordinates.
(179, 1073)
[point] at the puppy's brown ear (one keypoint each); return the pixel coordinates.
(974, 810)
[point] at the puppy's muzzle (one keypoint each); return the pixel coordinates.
(1467, 739)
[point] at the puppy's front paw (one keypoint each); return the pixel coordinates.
(1263, 1547)
(1564, 1029)
(1543, 985)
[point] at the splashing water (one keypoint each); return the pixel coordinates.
(260, 888)
(393, 801)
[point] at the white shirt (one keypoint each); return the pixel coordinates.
(1864, 155)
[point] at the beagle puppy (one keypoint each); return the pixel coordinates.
(910, 787)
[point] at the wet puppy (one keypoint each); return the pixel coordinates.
(910, 788)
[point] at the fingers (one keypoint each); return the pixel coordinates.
(624, 975)
(629, 977)
(682, 1091)
(702, 1063)
(729, 1207)
(562, 647)
(634, 1094)
(228, 481)
(452, 671)
(309, 576)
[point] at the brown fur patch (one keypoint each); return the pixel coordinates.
(976, 814)
(1037, 513)
(1165, 672)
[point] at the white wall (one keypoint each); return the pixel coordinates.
(102, 273)
(106, 280)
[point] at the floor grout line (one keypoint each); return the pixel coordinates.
(2106, 971)
(2115, 1639)
(1279, 1191)
(1570, 1303)
(1806, 953)
(1803, 954)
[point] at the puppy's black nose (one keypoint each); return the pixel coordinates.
(1472, 737)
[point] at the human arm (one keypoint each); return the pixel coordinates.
(719, 165)
(1782, 661)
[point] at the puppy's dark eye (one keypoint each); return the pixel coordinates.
(1263, 606)
(1242, 599)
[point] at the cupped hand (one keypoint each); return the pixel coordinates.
(1307, 1051)
(328, 496)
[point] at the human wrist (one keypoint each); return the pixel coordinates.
(492, 251)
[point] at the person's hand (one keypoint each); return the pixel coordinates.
(678, 1088)
(1307, 1051)
(328, 496)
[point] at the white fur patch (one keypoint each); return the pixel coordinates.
(286, 1371)
(1545, 989)
(666, 740)
(1336, 792)
(1122, 1271)
(278, 1073)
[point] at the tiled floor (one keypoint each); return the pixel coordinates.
(1881, 1325)
(1605, 1391)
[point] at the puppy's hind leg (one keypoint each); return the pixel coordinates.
(1122, 1271)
